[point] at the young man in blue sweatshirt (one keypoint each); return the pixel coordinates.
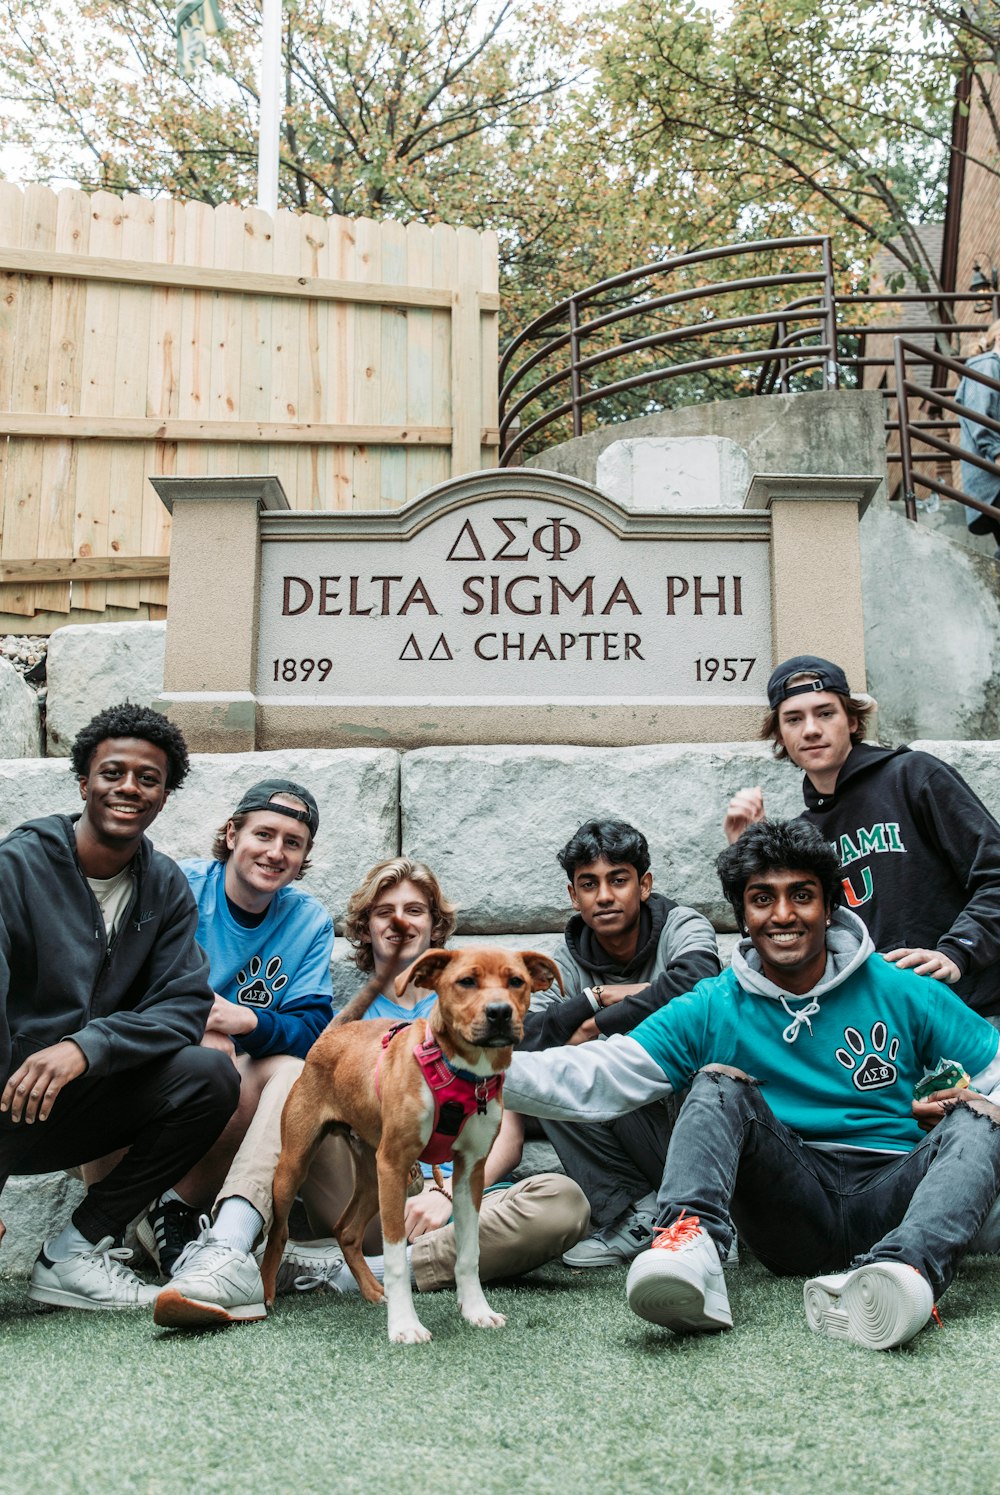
(269, 945)
(800, 1129)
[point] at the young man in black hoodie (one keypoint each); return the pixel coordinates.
(626, 952)
(104, 996)
(920, 853)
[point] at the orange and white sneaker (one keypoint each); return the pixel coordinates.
(679, 1281)
(879, 1306)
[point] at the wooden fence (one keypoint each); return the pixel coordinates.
(355, 360)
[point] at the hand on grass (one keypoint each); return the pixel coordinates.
(925, 963)
(31, 1091)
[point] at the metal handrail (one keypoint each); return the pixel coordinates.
(907, 389)
(568, 325)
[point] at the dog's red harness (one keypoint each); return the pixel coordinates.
(458, 1094)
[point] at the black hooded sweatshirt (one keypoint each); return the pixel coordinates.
(142, 998)
(920, 855)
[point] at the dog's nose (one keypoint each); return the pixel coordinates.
(499, 1014)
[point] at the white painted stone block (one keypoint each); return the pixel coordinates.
(664, 473)
(92, 667)
(20, 723)
(490, 820)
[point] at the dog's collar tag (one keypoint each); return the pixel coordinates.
(482, 1097)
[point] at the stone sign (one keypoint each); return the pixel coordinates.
(501, 607)
(518, 597)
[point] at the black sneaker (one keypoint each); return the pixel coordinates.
(165, 1231)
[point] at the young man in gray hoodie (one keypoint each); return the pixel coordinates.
(627, 950)
(801, 1128)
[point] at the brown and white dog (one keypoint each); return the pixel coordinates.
(363, 1079)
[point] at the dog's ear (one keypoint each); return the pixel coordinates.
(425, 970)
(543, 971)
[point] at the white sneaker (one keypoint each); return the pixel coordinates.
(306, 1266)
(679, 1281)
(616, 1244)
(92, 1279)
(879, 1306)
(213, 1283)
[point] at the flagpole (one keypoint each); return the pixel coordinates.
(270, 107)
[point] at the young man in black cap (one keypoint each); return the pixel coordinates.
(269, 945)
(920, 853)
(103, 1000)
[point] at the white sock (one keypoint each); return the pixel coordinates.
(238, 1223)
(376, 1265)
(69, 1242)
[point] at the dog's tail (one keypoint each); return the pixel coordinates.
(362, 1000)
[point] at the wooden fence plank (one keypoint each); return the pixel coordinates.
(392, 385)
(65, 372)
(367, 371)
(29, 391)
(12, 287)
(255, 362)
(128, 485)
(489, 352)
(466, 347)
(97, 396)
(195, 248)
(286, 329)
(340, 361)
(146, 428)
(192, 277)
(312, 259)
(90, 567)
(422, 465)
(445, 273)
(162, 388)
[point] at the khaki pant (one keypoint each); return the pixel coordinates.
(519, 1228)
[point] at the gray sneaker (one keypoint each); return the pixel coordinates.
(306, 1266)
(92, 1279)
(617, 1244)
(213, 1283)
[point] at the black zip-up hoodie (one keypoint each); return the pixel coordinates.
(141, 999)
(920, 855)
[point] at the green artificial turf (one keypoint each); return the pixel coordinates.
(574, 1395)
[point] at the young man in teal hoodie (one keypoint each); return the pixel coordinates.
(801, 1128)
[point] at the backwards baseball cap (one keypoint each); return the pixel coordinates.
(825, 676)
(261, 797)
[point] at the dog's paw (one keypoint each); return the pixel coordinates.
(414, 1333)
(485, 1319)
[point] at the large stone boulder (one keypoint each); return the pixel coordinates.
(490, 820)
(93, 666)
(20, 722)
(34, 1209)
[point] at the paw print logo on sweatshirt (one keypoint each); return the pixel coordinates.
(256, 990)
(872, 1063)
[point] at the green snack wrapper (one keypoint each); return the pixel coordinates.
(945, 1076)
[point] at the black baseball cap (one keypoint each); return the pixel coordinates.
(261, 796)
(826, 676)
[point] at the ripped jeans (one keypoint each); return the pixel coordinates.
(806, 1210)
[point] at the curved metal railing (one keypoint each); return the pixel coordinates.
(586, 328)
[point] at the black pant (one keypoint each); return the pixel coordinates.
(167, 1113)
(615, 1162)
